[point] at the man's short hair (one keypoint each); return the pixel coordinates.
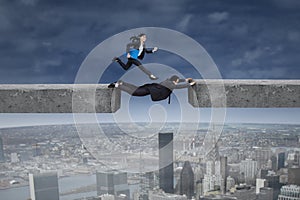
(174, 78)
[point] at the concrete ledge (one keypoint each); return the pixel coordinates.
(59, 98)
(245, 93)
(91, 98)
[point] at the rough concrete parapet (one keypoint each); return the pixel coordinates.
(97, 98)
(245, 93)
(58, 98)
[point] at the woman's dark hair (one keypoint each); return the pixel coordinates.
(174, 78)
(136, 38)
(141, 34)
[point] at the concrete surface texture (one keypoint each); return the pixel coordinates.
(58, 98)
(97, 98)
(245, 93)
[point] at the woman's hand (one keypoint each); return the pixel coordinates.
(154, 49)
(128, 55)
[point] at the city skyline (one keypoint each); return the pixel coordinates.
(151, 150)
(60, 149)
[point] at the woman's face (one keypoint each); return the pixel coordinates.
(143, 38)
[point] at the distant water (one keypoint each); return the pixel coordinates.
(65, 184)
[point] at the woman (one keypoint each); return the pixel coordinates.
(135, 50)
(158, 91)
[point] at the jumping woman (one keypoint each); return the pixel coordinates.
(135, 51)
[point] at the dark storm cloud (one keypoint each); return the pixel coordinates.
(45, 41)
(257, 40)
(51, 38)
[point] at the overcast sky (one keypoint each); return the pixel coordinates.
(46, 41)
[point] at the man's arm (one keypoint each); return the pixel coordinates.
(188, 82)
(180, 86)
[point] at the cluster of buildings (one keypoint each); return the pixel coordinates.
(230, 169)
(183, 180)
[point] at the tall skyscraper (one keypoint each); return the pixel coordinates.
(281, 159)
(199, 189)
(294, 176)
(14, 158)
(289, 192)
(265, 193)
(36, 150)
(198, 173)
(148, 181)
(248, 167)
(44, 186)
(260, 183)
(297, 158)
(224, 173)
(273, 182)
(263, 173)
(274, 166)
(186, 185)
(262, 155)
(2, 158)
(213, 178)
(166, 168)
(244, 192)
(112, 182)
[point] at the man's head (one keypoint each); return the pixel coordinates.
(174, 78)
